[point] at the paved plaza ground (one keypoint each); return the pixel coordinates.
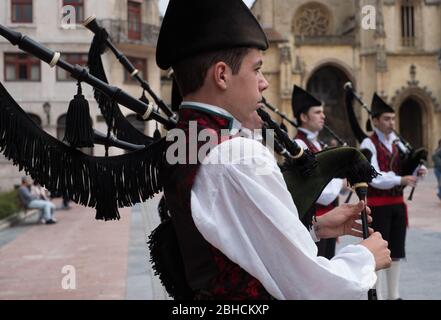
(110, 260)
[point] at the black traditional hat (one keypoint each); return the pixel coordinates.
(378, 107)
(301, 101)
(176, 97)
(195, 26)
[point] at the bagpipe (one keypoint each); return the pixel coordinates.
(110, 182)
(411, 158)
(306, 182)
(294, 156)
(343, 143)
(308, 174)
(104, 183)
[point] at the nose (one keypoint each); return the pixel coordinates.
(263, 84)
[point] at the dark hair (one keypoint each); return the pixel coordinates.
(190, 73)
(298, 117)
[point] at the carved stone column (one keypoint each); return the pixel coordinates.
(285, 70)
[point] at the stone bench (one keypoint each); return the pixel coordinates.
(17, 217)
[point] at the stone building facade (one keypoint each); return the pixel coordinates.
(320, 45)
(45, 93)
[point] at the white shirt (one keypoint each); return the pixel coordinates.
(334, 187)
(242, 207)
(387, 179)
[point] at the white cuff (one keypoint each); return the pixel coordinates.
(397, 180)
(313, 234)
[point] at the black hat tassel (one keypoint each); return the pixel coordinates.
(369, 125)
(79, 131)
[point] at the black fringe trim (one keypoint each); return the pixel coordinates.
(163, 212)
(104, 183)
(166, 260)
(359, 171)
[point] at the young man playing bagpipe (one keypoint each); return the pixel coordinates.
(237, 226)
(385, 194)
(310, 115)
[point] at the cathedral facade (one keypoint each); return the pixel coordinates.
(392, 47)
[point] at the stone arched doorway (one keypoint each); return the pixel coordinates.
(411, 122)
(326, 83)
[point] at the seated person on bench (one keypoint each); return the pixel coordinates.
(31, 201)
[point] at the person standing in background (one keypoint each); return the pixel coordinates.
(436, 157)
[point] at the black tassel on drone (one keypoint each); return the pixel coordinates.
(157, 134)
(79, 131)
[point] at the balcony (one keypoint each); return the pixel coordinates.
(145, 35)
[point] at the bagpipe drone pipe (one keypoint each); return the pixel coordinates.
(121, 126)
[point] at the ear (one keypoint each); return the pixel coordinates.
(221, 74)
(303, 117)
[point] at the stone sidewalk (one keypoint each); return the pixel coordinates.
(110, 258)
(31, 264)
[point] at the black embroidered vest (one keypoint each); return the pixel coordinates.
(206, 267)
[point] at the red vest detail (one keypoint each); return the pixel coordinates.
(302, 136)
(387, 161)
(206, 267)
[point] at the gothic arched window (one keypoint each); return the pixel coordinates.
(408, 23)
(312, 19)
